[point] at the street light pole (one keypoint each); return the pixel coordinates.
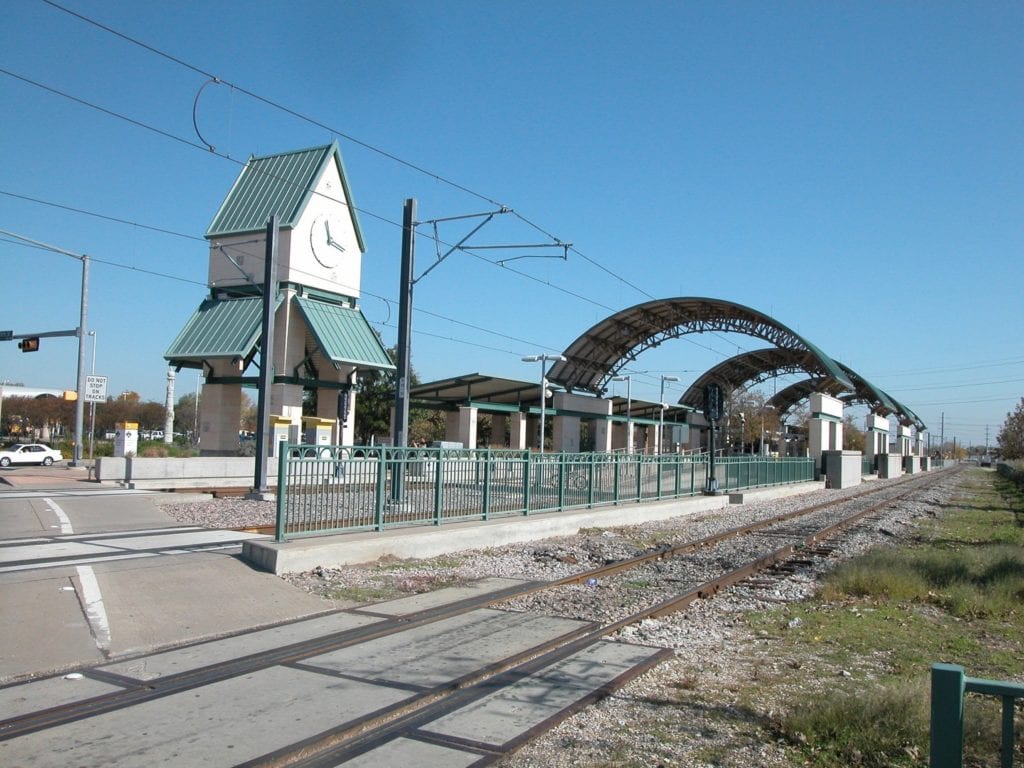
(543, 360)
(661, 403)
(629, 410)
(765, 408)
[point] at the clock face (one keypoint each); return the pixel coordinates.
(322, 238)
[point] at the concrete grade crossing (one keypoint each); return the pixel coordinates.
(259, 712)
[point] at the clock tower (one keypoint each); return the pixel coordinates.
(321, 338)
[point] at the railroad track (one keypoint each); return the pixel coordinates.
(676, 575)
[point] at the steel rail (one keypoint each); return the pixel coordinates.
(334, 747)
(140, 692)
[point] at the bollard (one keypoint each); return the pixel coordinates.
(947, 718)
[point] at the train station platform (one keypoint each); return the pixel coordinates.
(305, 554)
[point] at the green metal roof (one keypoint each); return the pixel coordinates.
(219, 328)
(281, 184)
(344, 335)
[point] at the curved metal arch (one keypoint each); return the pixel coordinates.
(864, 394)
(751, 368)
(603, 350)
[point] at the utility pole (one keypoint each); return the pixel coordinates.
(401, 433)
(266, 379)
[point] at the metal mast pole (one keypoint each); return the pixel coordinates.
(266, 378)
(401, 433)
(401, 429)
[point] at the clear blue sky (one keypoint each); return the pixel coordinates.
(855, 170)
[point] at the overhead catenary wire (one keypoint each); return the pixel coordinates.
(334, 130)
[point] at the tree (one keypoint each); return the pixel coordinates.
(853, 437)
(1011, 436)
(185, 414)
(375, 398)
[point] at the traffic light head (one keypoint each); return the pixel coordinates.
(29, 345)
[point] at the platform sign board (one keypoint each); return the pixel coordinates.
(6, 335)
(95, 389)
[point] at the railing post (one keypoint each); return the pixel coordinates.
(382, 483)
(1006, 755)
(282, 490)
(439, 486)
(527, 465)
(947, 721)
(488, 474)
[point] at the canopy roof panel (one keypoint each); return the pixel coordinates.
(598, 355)
(279, 184)
(220, 328)
(343, 335)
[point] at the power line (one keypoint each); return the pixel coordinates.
(28, 243)
(100, 216)
(958, 386)
(348, 137)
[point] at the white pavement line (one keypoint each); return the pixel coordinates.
(65, 523)
(92, 602)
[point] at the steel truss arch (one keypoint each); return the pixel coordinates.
(603, 350)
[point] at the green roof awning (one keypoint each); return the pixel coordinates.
(344, 335)
(219, 328)
(279, 184)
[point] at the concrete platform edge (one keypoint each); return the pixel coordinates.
(356, 548)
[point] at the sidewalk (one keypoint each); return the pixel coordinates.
(58, 476)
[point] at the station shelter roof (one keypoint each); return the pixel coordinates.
(497, 394)
(594, 358)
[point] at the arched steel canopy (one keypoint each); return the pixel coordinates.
(787, 398)
(601, 352)
(751, 368)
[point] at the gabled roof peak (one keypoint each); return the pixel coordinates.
(281, 183)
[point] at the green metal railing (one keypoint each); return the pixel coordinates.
(333, 489)
(867, 465)
(949, 684)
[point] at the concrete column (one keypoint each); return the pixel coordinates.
(517, 431)
(876, 437)
(825, 426)
(467, 426)
(903, 440)
(499, 422)
(220, 413)
(565, 434)
(451, 427)
(650, 438)
(602, 435)
(698, 425)
(922, 443)
(619, 439)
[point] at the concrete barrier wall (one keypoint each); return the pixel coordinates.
(890, 465)
(842, 468)
(193, 472)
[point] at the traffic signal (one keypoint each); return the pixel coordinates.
(29, 345)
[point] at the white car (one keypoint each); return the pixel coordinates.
(29, 453)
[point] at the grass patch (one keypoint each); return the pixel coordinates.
(363, 595)
(860, 694)
(391, 564)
